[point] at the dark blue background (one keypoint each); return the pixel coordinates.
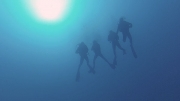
(40, 68)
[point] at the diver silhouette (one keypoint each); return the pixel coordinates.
(82, 50)
(123, 27)
(113, 38)
(97, 50)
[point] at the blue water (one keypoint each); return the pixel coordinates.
(37, 67)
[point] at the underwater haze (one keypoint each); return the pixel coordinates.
(38, 60)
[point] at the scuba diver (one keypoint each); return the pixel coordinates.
(97, 50)
(82, 50)
(113, 38)
(124, 28)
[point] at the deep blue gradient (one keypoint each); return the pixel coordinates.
(38, 65)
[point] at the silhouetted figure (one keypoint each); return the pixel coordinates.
(124, 28)
(82, 50)
(113, 38)
(97, 50)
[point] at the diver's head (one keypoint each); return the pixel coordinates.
(121, 19)
(94, 42)
(110, 31)
(82, 43)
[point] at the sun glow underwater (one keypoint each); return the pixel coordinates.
(49, 11)
(45, 15)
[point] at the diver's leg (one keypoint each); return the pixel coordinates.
(130, 38)
(87, 60)
(111, 65)
(104, 58)
(124, 37)
(78, 71)
(77, 76)
(81, 62)
(114, 48)
(91, 69)
(119, 46)
(95, 57)
(114, 61)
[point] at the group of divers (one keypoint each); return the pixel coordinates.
(113, 38)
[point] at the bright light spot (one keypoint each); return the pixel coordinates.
(49, 10)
